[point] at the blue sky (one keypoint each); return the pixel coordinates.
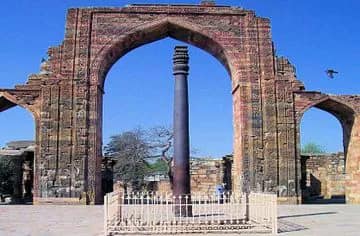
(314, 35)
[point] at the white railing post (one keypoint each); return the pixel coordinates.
(105, 214)
(275, 219)
(118, 207)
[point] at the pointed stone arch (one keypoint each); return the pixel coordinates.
(28, 100)
(190, 33)
(224, 45)
(11, 98)
(345, 112)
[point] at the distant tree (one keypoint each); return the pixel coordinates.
(139, 152)
(312, 148)
(158, 166)
(129, 150)
(7, 177)
(160, 141)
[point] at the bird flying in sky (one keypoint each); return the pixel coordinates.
(330, 73)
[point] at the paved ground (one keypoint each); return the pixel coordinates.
(319, 220)
(307, 220)
(28, 220)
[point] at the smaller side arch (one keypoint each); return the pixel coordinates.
(343, 112)
(347, 116)
(328, 103)
(9, 100)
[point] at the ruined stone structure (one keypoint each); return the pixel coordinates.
(205, 175)
(209, 173)
(65, 98)
(21, 156)
(322, 175)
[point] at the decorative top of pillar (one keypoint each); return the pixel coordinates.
(181, 60)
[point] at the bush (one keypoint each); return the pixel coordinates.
(312, 148)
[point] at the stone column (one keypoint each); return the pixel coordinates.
(181, 176)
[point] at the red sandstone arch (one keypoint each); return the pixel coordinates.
(8, 101)
(118, 46)
(329, 104)
(346, 115)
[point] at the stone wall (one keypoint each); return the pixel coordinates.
(206, 174)
(323, 175)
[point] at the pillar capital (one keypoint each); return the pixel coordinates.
(181, 60)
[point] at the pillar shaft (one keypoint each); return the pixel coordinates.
(181, 176)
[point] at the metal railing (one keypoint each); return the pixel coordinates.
(152, 213)
(263, 209)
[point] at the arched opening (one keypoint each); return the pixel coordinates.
(17, 153)
(325, 135)
(152, 32)
(144, 97)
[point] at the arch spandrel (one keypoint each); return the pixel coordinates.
(5, 103)
(336, 105)
(29, 100)
(116, 46)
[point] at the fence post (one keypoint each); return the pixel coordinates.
(119, 205)
(105, 214)
(249, 211)
(275, 219)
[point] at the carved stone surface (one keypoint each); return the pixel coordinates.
(268, 100)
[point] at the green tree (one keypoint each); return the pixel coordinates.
(312, 148)
(134, 150)
(129, 150)
(159, 166)
(160, 141)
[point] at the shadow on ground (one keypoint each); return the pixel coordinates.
(312, 214)
(285, 226)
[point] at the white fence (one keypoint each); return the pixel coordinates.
(263, 209)
(151, 213)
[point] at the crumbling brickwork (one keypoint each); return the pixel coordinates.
(205, 175)
(268, 100)
(322, 175)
